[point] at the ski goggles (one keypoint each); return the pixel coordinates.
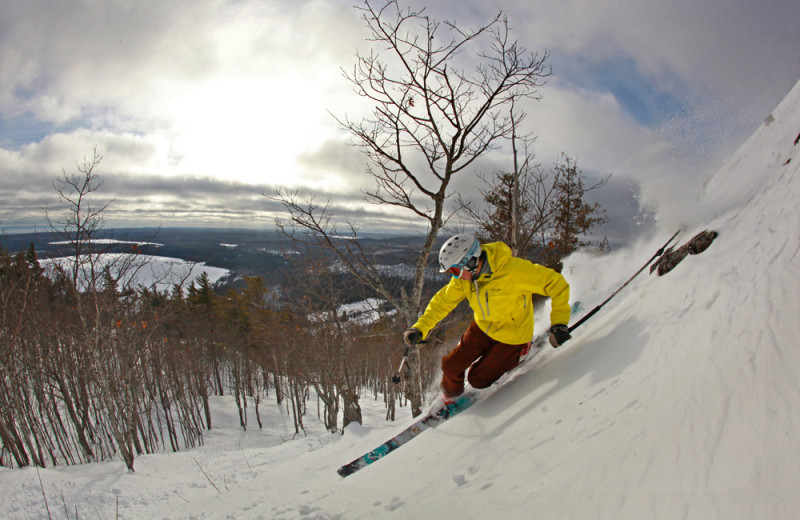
(469, 265)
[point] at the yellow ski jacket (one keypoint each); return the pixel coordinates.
(501, 300)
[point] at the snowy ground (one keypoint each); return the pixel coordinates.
(681, 399)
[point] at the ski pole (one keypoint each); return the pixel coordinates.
(596, 309)
(396, 377)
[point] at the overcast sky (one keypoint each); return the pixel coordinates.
(200, 106)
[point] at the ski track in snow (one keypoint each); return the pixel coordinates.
(680, 399)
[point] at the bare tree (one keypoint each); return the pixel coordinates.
(438, 93)
(80, 221)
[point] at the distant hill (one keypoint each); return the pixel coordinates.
(244, 252)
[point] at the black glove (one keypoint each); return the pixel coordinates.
(559, 334)
(412, 336)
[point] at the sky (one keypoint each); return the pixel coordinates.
(200, 107)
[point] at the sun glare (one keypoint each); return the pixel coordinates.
(248, 130)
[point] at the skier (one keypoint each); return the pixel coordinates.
(499, 288)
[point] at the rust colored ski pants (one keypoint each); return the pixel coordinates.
(485, 358)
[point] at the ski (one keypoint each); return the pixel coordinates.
(431, 419)
(438, 414)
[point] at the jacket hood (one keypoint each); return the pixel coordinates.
(497, 254)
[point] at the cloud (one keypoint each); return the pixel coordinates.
(70, 59)
(199, 106)
(224, 80)
(337, 162)
(143, 199)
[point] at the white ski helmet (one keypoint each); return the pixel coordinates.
(458, 250)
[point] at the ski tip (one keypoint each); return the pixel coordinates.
(346, 470)
(701, 241)
(673, 256)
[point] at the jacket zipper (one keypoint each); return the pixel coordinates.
(478, 299)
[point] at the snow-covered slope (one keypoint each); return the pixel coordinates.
(681, 399)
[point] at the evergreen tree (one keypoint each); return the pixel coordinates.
(573, 217)
(501, 198)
